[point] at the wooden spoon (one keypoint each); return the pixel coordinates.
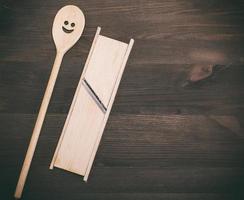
(67, 28)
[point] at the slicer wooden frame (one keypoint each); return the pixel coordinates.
(91, 105)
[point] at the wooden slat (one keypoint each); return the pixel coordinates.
(126, 141)
(144, 89)
(175, 32)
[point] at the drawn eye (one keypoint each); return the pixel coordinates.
(73, 24)
(66, 22)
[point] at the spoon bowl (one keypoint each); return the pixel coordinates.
(68, 26)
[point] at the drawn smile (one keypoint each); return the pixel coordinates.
(67, 30)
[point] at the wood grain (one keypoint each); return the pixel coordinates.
(165, 139)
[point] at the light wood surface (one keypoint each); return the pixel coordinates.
(80, 134)
(104, 67)
(91, 105)
(63, 41)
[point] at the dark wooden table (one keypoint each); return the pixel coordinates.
(176, 130)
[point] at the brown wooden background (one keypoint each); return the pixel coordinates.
(167, 137)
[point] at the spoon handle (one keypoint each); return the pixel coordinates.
(38, 126)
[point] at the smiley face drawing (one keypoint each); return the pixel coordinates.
(68, 26)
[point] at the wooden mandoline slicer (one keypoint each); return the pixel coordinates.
(91, 105)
